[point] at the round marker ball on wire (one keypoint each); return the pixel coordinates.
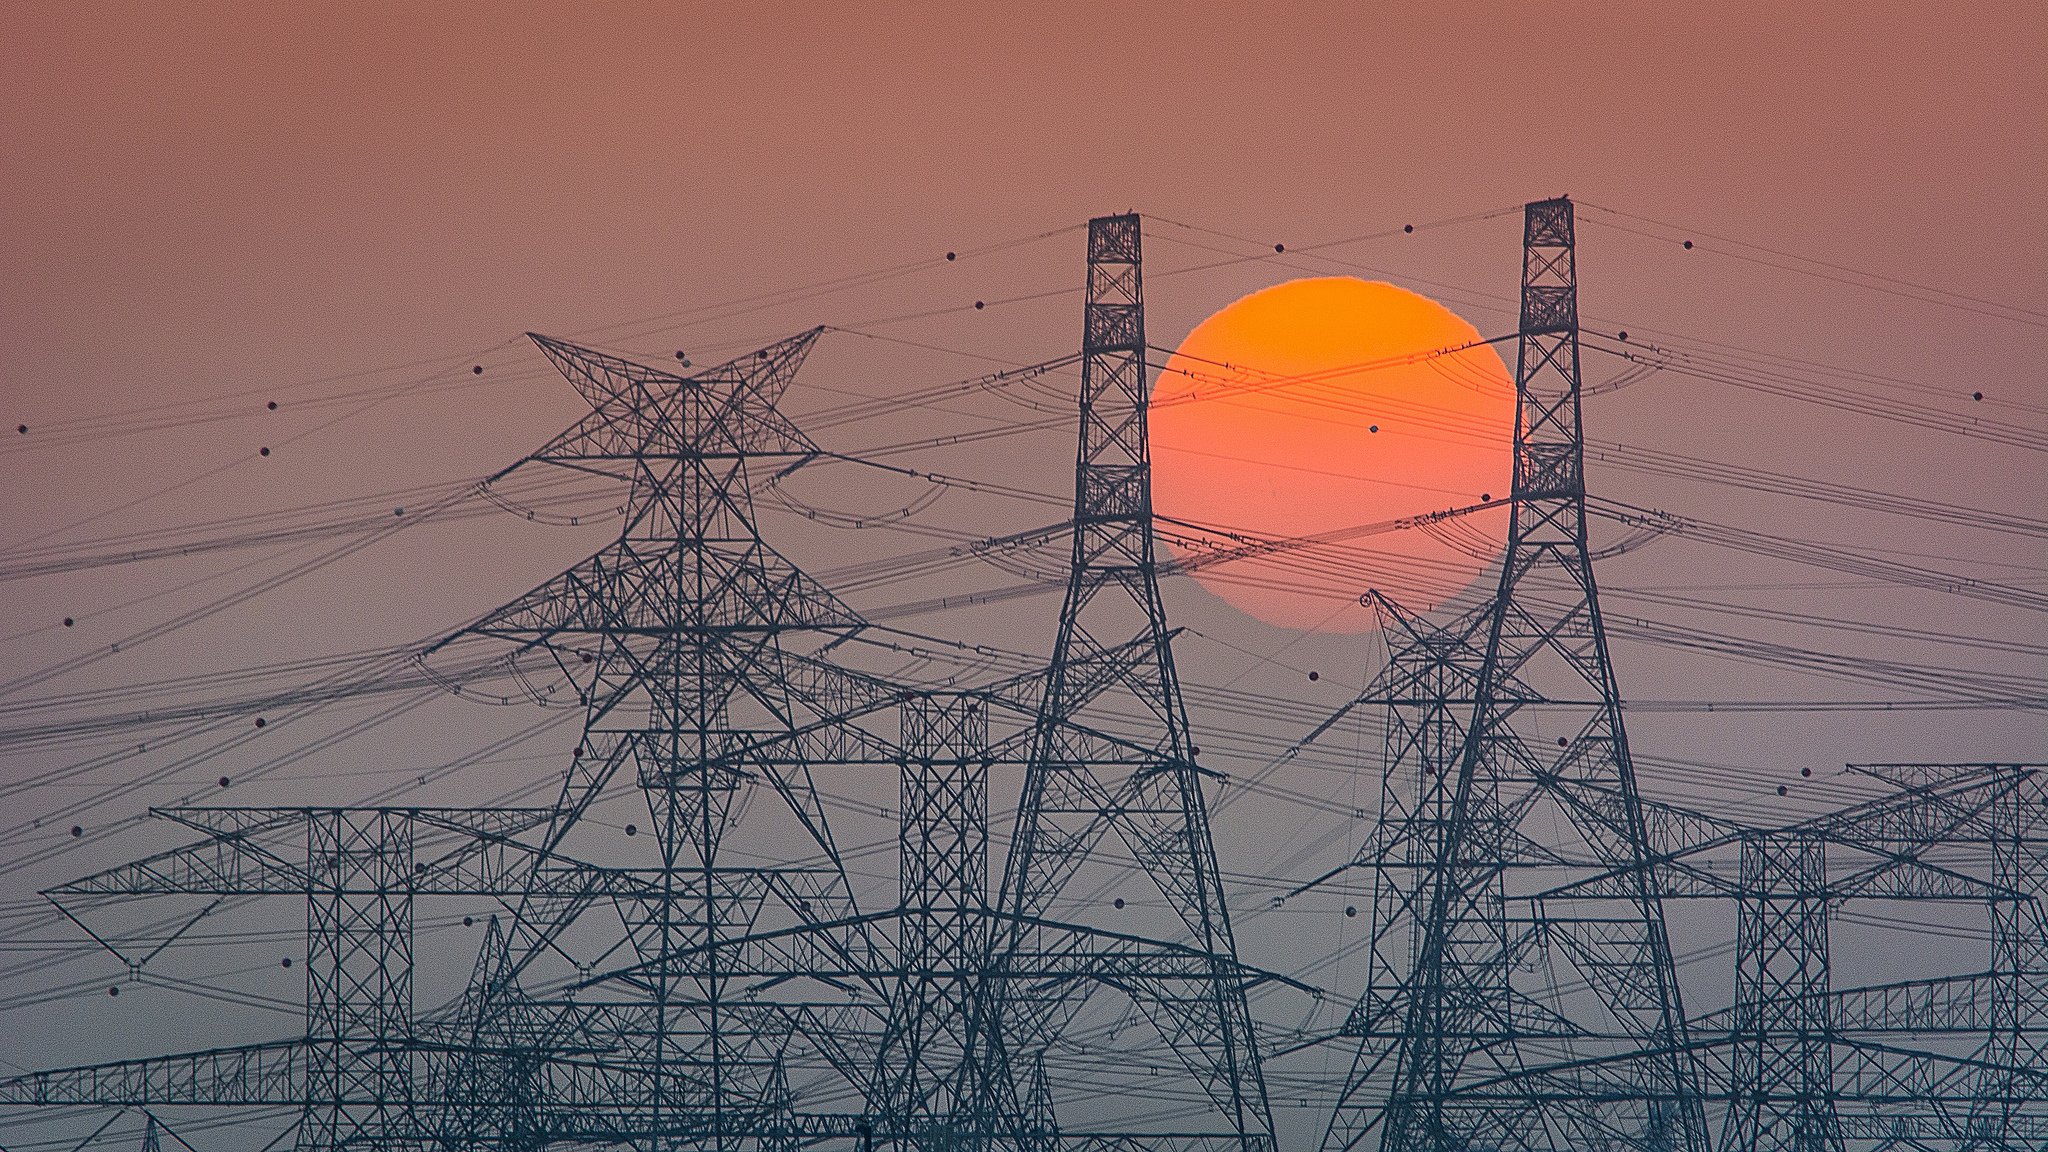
(1407, 227)
(1688, 245)
(273, 405)
(476, 369)
(263, 451)
(951, 256)
(979, 305)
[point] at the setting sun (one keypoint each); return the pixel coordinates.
(1321, 404)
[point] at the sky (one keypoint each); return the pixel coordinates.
(218, 206)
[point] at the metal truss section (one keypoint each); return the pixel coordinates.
(1112, 770)
(1802, 1064)
(1542, 793)
(943, 847)
(735, 980)
(1784, 1072)
(748, 1005)
(1426, 692)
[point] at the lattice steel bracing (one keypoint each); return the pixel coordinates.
(1783, 1066)
(1111, 768)
(943, 848)
(689, 643)
(752, 998)
(1929, 1063)
(661, 630)
(490, 1087)
(2018, 830)
(745, 1005)
(1535, 1017)
(1426, 692)
(359, 964)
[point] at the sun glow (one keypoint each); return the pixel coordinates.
(1325, 404)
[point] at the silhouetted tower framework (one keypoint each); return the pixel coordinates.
(1426, 692)
(1535, 1016)
(1111, 762)
(1814, 1066)
(1806, 1065)
(2019, 969)
(359, 962)
(1519, 993)
(1782, 1067)
(679, 638)
(943, 847)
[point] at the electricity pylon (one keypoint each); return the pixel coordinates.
(1950, 1061)
(759, 1001)
(1520, 991)
(1533, 1016)
(680, 639)
(1112, 770)
(1426, 693)
(692, 647)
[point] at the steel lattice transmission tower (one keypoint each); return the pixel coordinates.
(1111, 761)
(691, 646)
(1534, 1015)
(751, 996)
(1426, 692)
(688, 641)
(2019, 968)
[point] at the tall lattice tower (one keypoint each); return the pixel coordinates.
(685, 640)
(1112, 771)
(1541, 1010)
(1426, 692)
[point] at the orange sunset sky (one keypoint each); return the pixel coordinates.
(348, 209)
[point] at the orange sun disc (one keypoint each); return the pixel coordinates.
(1330, 407)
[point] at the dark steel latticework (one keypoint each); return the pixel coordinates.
(1111, 762)
(749, 1005)
(1534, 1016)
(1520, 990)
(738, 986)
